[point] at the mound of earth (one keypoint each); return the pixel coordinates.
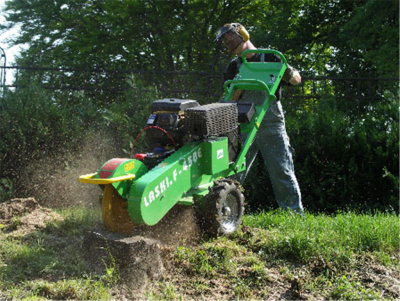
(23, 216)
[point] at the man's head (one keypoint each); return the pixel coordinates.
(233, 35)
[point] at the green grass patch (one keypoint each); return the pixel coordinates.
(49, 264)
(281, 254)
(76, 221)
(352, 289)
(334, 239)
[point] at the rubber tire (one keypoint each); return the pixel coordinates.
(213, 221)
(114, 211)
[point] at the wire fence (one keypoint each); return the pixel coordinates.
(206, 86)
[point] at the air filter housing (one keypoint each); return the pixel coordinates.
(211, 120)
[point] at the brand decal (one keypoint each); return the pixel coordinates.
(272, 80)
(220, 153)
(167, 182)
(129, 166)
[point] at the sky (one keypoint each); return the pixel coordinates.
(9, 51)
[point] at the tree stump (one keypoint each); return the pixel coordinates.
(135, 258)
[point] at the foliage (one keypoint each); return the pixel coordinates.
(334, 37)
(345, 162)
(130, 34)
(129, 117)
(318, 36)
(33, 124)
(6, 189)
(372, 34)
(340, 161)
(36, 124)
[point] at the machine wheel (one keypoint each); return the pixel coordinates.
(223, 208)
(114, 211)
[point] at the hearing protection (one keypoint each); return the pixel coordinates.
(242, 31)
(237, 28)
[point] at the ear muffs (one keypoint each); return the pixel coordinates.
(244, 33)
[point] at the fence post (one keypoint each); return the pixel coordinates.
(3, 72)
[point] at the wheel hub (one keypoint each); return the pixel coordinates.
(226, 211)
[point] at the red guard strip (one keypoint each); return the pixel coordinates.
(110, 166)
(113, 164)
(105, 174)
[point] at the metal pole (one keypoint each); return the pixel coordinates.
(3, 63)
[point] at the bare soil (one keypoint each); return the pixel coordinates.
(23, 216)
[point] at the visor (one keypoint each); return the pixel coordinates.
(223, 30)
(232, 40)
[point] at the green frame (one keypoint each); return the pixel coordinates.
(255, 76)
(186, 175)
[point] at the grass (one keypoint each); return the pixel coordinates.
(49, 264)
(275, 255)
(333, 239)
(312, 256)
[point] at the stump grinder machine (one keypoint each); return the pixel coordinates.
(194, 154)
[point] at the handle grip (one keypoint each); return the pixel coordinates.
(276, 52)
(253, 84)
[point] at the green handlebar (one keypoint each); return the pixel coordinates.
(250, 84)
(282, 57)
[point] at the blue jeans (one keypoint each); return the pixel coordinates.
(273, 143)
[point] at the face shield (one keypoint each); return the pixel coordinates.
(230, 37)
(232, 40)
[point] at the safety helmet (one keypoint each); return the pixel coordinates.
(236, 28)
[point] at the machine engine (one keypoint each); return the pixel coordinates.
(175, 122)
(169, 115)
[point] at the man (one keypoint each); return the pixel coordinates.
(271, 140)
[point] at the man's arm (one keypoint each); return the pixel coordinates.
(230, 72)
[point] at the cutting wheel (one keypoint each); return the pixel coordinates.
(114, 211)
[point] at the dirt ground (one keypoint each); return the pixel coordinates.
(23, 216)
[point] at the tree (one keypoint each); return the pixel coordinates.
(335, 37)
(373, 33)
(142, 34)
(347, 37)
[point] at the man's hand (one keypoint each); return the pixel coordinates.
(236, 95)
(292, 76)
(296, 78)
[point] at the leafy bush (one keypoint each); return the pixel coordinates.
(341, 162)
(6, 189)
(37, 124)
(126, 119)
